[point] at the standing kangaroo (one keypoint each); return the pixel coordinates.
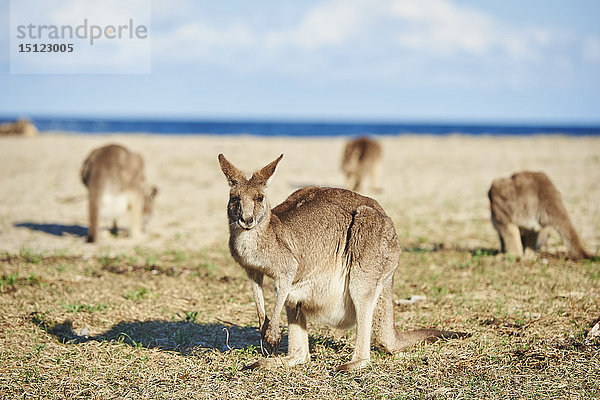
(362, 157)
(115, 180)
(332, 254)
(524, 207)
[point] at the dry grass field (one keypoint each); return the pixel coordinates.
(171, 316)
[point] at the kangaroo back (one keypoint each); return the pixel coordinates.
(113, 165)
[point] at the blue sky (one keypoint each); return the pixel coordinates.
(377, 60)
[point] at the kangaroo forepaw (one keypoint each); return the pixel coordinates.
(271, 336)
(272, 339)
(264, 326)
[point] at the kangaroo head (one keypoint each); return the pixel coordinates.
(247, 203)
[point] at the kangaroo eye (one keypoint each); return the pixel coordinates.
(260, 199)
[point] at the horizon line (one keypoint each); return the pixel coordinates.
(428, 121)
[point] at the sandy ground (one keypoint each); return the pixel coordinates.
(434, 188)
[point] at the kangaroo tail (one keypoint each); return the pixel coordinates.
(411, 338)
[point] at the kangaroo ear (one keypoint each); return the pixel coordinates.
(233, 175)
(263, 177)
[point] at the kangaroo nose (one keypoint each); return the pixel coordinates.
(247, 221)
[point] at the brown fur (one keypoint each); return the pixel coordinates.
(115, 180)
(332, 254)
(22, 127)
(361, 159)
(524, 207)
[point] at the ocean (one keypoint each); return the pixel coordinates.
(291, 128)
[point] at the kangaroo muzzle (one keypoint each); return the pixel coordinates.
(246, 222)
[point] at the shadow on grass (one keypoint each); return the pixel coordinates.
(177, 336)
(484, 251)
(481, 251)
(55, 229)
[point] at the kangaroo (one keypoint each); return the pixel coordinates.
(115, 180)
(332, 254)
(23, 127)
(524, 208)
(362, 157)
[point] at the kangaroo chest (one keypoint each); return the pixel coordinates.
(249, 253)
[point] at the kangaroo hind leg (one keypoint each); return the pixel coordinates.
(364, 295)
(384, 329)
(93, 209)
(511, 236)
(136, 209)
(373, 250)
(298, 351)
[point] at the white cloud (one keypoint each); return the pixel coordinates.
(328, 24)
(591, 50)
(437, 26)
(344, 39)
(202, 35)
(441, 27)
(371, 39)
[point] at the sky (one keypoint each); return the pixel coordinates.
(510, 61)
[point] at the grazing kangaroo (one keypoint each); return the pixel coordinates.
(362, 157)
(23, 127)
(524, 207)
(332, 254)
(115, 180)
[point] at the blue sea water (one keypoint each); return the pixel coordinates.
(279, 128)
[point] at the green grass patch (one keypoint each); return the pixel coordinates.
(82, 307)
(29, 256)
(137, 295)
(186, 326)
(9, 280)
